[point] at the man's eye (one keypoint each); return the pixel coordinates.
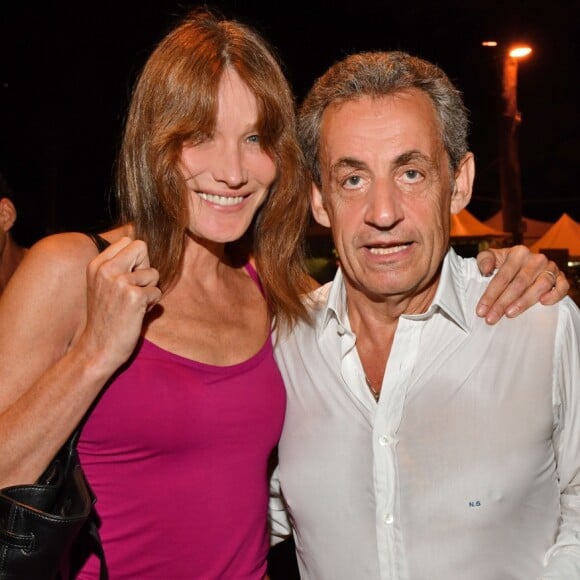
(352, 181)
(412, 174)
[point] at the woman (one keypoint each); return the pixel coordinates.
(161, 342)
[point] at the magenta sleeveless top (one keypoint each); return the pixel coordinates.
(177, 452)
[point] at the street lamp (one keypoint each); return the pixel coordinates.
(509, 163)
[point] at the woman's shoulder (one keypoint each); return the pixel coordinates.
(69, 248)
(57, 253)
(45, 299)
(55, 267)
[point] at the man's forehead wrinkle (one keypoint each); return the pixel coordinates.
(402, 159)
(347, 163)
(412, 155)
(418, 156)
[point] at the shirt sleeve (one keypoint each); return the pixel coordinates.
(562, 560)
(280, 528)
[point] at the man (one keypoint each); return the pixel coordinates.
(420, 442)
(11, 253)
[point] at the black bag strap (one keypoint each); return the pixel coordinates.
(93, 537)
(98, 546)
(99, 241)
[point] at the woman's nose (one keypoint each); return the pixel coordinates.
(229, 166)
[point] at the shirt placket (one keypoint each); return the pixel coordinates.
(396, 384)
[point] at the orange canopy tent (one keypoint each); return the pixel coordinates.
(533, 229)
(465, 225)
(564, 234)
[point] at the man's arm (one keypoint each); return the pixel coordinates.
(562, 560)
(280, 528)
(522, 279)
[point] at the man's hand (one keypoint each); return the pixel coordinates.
(523, 278)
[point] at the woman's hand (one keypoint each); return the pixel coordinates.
(522, 279)
(121, 289)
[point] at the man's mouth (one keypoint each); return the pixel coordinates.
(383, 251)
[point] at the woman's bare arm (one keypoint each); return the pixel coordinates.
(64, 330)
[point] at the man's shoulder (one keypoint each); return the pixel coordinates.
(317, 299)
(315, 302)
(465, 267)
(461, 284)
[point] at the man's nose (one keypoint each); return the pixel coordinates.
(384, 208)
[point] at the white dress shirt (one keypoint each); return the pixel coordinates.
(468, 468)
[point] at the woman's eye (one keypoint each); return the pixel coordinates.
(254, 138)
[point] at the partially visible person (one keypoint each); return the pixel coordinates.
(161, 343)
(11, 252)
(419, 441)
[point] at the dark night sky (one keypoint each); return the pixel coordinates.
(66, 70)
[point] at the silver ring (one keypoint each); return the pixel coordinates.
(552, 275)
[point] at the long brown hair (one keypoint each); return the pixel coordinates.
(175, 100)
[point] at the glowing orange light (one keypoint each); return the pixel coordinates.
(489, 43)
(520, 51)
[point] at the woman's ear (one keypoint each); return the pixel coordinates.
(464, 177)
(318, 208)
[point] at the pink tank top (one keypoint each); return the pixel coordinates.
(177, 452)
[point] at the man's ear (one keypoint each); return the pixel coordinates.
(318, 208)
(7, 214)
(464, 177)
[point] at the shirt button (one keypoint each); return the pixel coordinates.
(385, 440)
(389, 518)
(340, 330)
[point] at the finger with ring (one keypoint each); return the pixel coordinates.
(553, 276)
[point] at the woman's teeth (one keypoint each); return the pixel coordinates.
(221, 199)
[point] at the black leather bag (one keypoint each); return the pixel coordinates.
(49, 528)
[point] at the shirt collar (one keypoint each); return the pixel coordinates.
(450, 293)
(335, 307)
(449, 297)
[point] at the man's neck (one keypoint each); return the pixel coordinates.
(374, 321)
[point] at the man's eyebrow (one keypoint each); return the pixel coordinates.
(413, 155)
(352, 163)
(347, 163)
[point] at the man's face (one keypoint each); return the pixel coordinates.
(387, 192)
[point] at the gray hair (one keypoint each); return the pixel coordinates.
(376, 74)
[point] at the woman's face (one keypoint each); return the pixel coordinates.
(229, 174)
